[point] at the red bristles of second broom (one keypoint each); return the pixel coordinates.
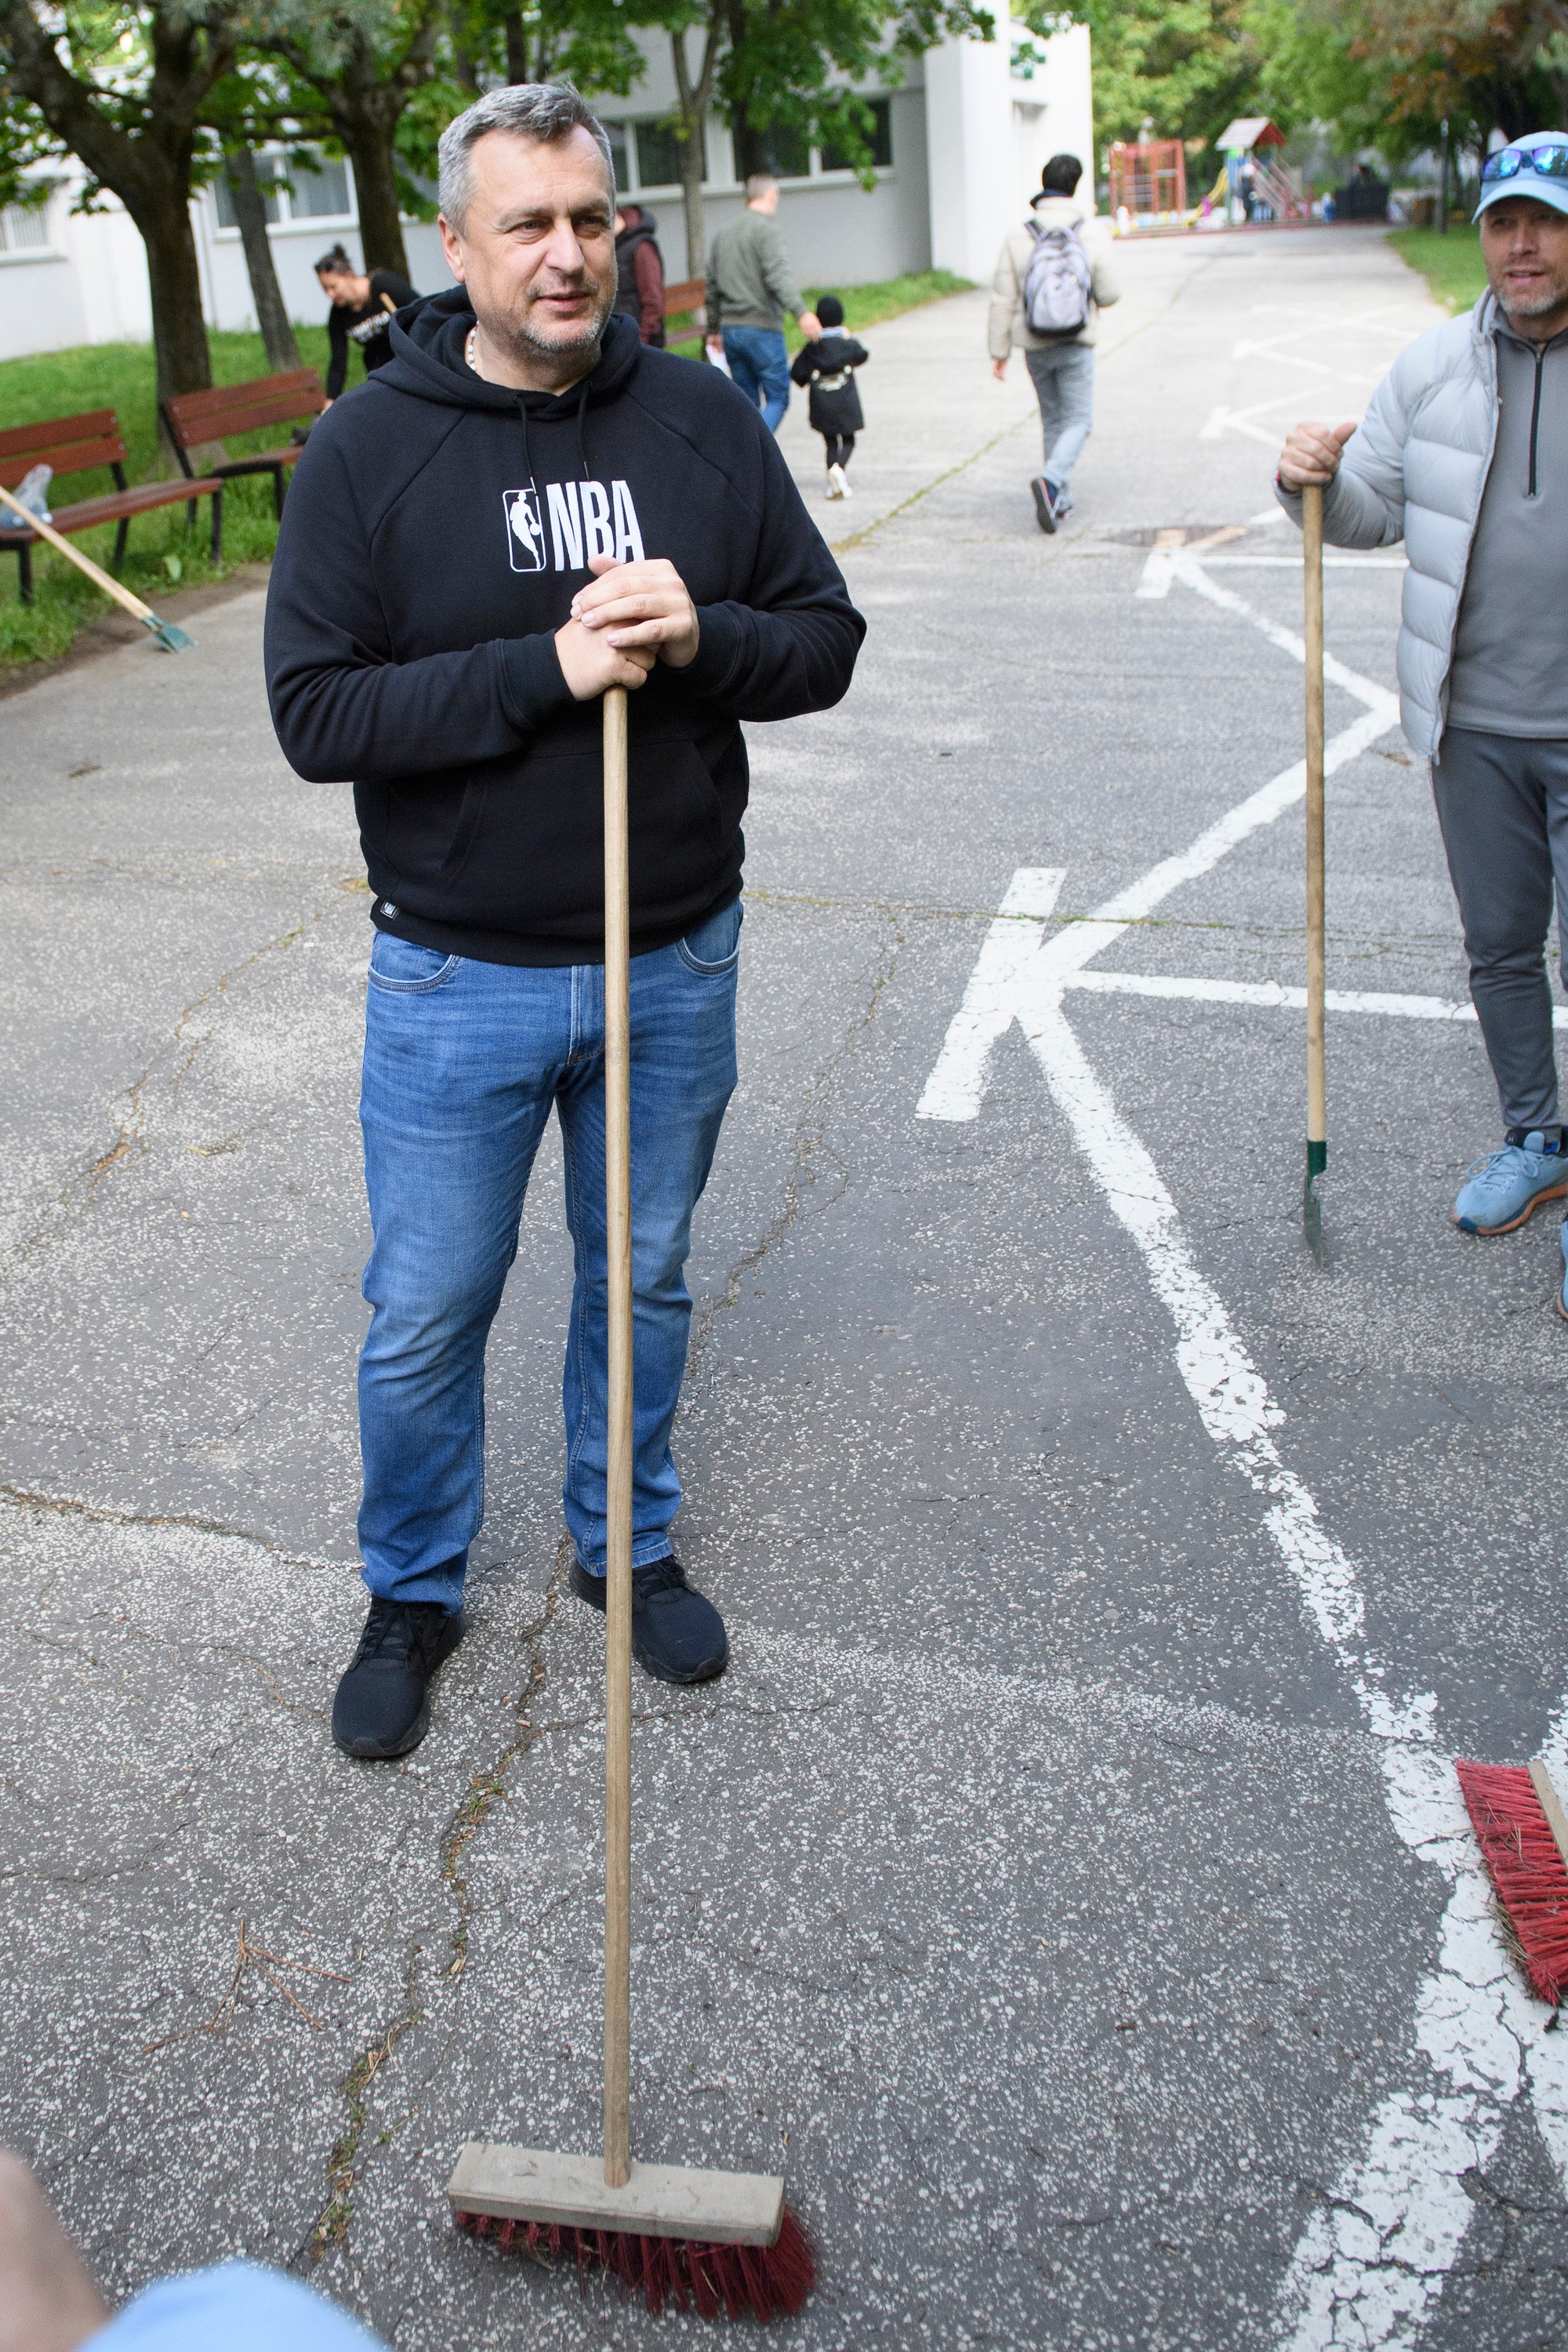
(1526, 1867)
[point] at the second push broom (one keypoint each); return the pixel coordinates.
(716, 2240)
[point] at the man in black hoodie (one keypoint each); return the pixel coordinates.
(526, 507)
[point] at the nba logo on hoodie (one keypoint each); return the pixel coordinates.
(584, 519)
(524, 529)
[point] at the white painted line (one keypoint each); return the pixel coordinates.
(1228, 1391)
(1007, 963)
(955, 1088)
(1275, 994)
(1376, 698)
(1158, 571)
(1237, 420)
(1270, 350)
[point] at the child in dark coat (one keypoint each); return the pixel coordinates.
(828, 366)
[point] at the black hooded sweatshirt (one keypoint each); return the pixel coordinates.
(435, 532)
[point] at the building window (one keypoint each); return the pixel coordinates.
(315, 188)
(788, 151)
(647, 154)
(23, 229)
(321, 190)
(835, 159)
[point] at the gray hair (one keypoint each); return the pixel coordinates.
(545, 110)
(758, 184)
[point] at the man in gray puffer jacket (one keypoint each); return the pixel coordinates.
(1463, 453)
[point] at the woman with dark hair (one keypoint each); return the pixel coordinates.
(361, 311)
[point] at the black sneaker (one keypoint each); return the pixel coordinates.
(1044, 503)
(677, 1636)
(383, 1706)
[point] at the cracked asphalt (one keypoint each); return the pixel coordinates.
(1028, 1887)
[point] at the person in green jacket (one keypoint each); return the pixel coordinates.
(750, 289)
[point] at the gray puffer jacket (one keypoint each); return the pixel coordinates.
(1415, 469)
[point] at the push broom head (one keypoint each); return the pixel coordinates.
(1523, 1836)
(713, 2241)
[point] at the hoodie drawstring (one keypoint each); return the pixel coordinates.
(581, 438)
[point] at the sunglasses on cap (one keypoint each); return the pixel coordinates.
(1547, 162)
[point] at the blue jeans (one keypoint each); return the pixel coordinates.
(760, 366)
(463, 1064)
(1063, 376)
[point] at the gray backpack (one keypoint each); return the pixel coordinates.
(1057, 282)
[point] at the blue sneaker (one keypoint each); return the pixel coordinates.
(1499, 1192)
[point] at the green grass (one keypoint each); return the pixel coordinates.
(1451, 265)
(161, 553)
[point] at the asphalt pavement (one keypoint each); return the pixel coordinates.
(1066, 1884)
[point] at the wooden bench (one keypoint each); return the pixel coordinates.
(689, 295)
(197, 419)
(71, 445)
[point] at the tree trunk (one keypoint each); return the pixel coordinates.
(695, 98)
(517, 65)
(150, 172)
(250, 213)
(463, 67)
(369, 142)
(691, 202)
(749, 144)
(179, 328)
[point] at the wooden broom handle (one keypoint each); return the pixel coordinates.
(83, 562)
(618, 1491)
(1312, 594)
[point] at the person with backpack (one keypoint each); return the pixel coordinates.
(1053, 277)
(834, 408)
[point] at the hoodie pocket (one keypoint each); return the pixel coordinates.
(528, 850)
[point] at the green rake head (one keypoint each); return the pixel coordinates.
(1311, 1207)
(172, 639)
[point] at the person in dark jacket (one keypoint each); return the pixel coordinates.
(526, 507)
(833, 407)
(639, 272)
(362, 312)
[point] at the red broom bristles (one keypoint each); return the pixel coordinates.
(1527, 1870)
(760, 2282)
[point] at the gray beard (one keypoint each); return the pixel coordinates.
(1538, 306)
(534, 346)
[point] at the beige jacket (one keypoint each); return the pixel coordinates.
(1006, 329)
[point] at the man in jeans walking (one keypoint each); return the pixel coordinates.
(529, 505)
(749, 289)
(1463, 453)
(1061, 366)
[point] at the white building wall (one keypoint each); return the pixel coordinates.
(1053, 113)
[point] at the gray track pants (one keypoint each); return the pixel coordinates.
(1502, 803)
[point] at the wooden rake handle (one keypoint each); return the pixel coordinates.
(1312, 597)
(618, 1497)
